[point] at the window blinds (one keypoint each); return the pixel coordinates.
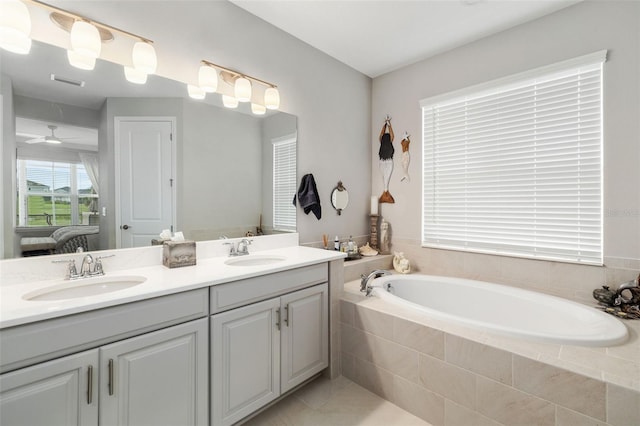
(514, 166)
(284, 184)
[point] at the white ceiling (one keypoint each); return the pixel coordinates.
(375, 37)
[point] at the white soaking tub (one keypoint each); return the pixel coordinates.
(502, 309)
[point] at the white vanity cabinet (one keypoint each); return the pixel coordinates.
(157, 377)
(59, 392)
(268, 347)
(160, 378)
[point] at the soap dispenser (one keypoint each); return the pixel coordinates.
(336, 244)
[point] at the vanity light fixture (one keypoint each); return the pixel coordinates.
(87, 36)
(208, 78)
(15, 27)
(196, 92)
(272, 98)
(133, 75)
(242, 89)
(229, 101)
(144, 57)
(242, 86)
(85, 39)
(81, 61)
(258, 109)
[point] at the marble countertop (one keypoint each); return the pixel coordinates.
(160, 281)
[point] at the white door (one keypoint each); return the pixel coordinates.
(145, 187)
(305, 335)
(245, 360)
(159, 378)
(59, 392)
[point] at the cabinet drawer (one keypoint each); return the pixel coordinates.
(244, 292)
(28, 344)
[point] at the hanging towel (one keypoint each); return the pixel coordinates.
(308, 196)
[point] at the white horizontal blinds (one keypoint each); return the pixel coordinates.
(516, 168)
(284, 184)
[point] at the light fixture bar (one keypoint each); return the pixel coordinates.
(239, 74)
(91, 21)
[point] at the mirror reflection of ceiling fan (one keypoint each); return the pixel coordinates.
(52, 139)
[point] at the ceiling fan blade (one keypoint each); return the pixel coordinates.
(36, 140)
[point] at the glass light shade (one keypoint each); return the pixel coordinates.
(229, 101)
(243, 90)
(134, 76)
(272, 98)
(208, 78)
(81, 61)
(144, 57)
(15, 26)
(258, 109)
(85, 39)
(195, 92)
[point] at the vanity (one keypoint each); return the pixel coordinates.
(207, 344)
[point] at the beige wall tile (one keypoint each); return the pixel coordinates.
(376, 380)
(419, 401)
(457, 415)
(566, 417)
(482, 359)
(562, 387)
(395, 358)
(512, 407)
(356, 342)
(623, 406)
(419, 337)
(527, 272)
(482, 267)
(347, 312)
(347, 364)
(374, 322)
(452, 382)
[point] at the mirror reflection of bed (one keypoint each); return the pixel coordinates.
(66, 239)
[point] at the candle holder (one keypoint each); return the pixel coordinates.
(374, 231)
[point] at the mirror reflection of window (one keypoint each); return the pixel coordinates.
(54, 194)
(284, 183)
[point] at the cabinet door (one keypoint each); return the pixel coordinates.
(59, 392)
(305, 335)
(158, 378)
(245, 354)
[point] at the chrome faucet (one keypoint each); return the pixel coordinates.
(364, 280)
(243, 247)
(87, 261)
(241, 250)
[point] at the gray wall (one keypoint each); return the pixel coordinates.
(221, 172)
(578, 30)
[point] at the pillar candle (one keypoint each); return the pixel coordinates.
(374, 205)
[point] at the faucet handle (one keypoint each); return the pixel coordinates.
(232, 248)
(72, 271)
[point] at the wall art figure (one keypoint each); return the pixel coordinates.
(385, 153)
(406, 158)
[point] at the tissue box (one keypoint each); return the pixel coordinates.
(176, 254)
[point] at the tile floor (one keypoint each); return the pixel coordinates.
(338, 402)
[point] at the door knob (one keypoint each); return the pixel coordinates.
(125, 227)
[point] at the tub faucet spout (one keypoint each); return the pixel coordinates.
(364, 280)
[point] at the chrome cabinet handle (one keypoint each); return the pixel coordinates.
(278, 318)
(111, 383)
(90, 384)
(286, 318)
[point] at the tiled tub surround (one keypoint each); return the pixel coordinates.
(453, 375)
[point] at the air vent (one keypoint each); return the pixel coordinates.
(67, 80)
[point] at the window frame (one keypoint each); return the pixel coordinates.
(282, 220)
(494, 88)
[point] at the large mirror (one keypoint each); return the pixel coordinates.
(221, 176)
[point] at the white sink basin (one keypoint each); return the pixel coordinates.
(71, 289)
(254, 260)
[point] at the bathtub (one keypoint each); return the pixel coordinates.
(501, 309)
